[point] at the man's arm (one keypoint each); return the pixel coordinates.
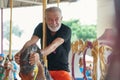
(33, 40)
(50, 48)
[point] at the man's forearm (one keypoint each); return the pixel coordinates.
(26, 45)
(52, 47)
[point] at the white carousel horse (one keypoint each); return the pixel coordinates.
(99, 54)
(79, 49)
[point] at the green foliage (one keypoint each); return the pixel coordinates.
(79, 31)
(15, 30)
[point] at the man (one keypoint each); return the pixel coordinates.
(58, 45)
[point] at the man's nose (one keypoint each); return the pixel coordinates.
(54, 22)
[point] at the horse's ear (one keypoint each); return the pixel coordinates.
(37, 49)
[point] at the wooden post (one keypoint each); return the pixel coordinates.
(10, 38)
(1, 2)
(58, 1)
(44, 30)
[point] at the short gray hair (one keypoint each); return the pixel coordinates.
(53, 9)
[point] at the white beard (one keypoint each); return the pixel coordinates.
(55, 29)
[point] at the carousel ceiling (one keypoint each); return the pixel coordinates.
(23, 3)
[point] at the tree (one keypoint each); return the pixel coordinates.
(79, 31)
(15, 30)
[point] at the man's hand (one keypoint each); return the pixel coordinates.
(34, 58)
(17, 58)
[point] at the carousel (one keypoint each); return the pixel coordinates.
(89, 60)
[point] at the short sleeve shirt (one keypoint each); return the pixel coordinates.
(58, 59)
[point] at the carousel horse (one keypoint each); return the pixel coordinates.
(104, 60)
(95, 51)
(27, 71)
(88, 45)
(90, 48)
(100, 54)
(79, 48)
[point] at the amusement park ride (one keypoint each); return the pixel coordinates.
(95, 54)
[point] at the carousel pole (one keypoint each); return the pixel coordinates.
(10, 38)
(44, 30)
(58, 1)
(1, 26)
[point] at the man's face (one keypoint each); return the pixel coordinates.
(53, 20)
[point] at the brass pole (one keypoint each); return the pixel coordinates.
(10, 38)
(58, 1)
(1, 25)
(44, 30)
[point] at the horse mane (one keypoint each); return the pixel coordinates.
(27, 70)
